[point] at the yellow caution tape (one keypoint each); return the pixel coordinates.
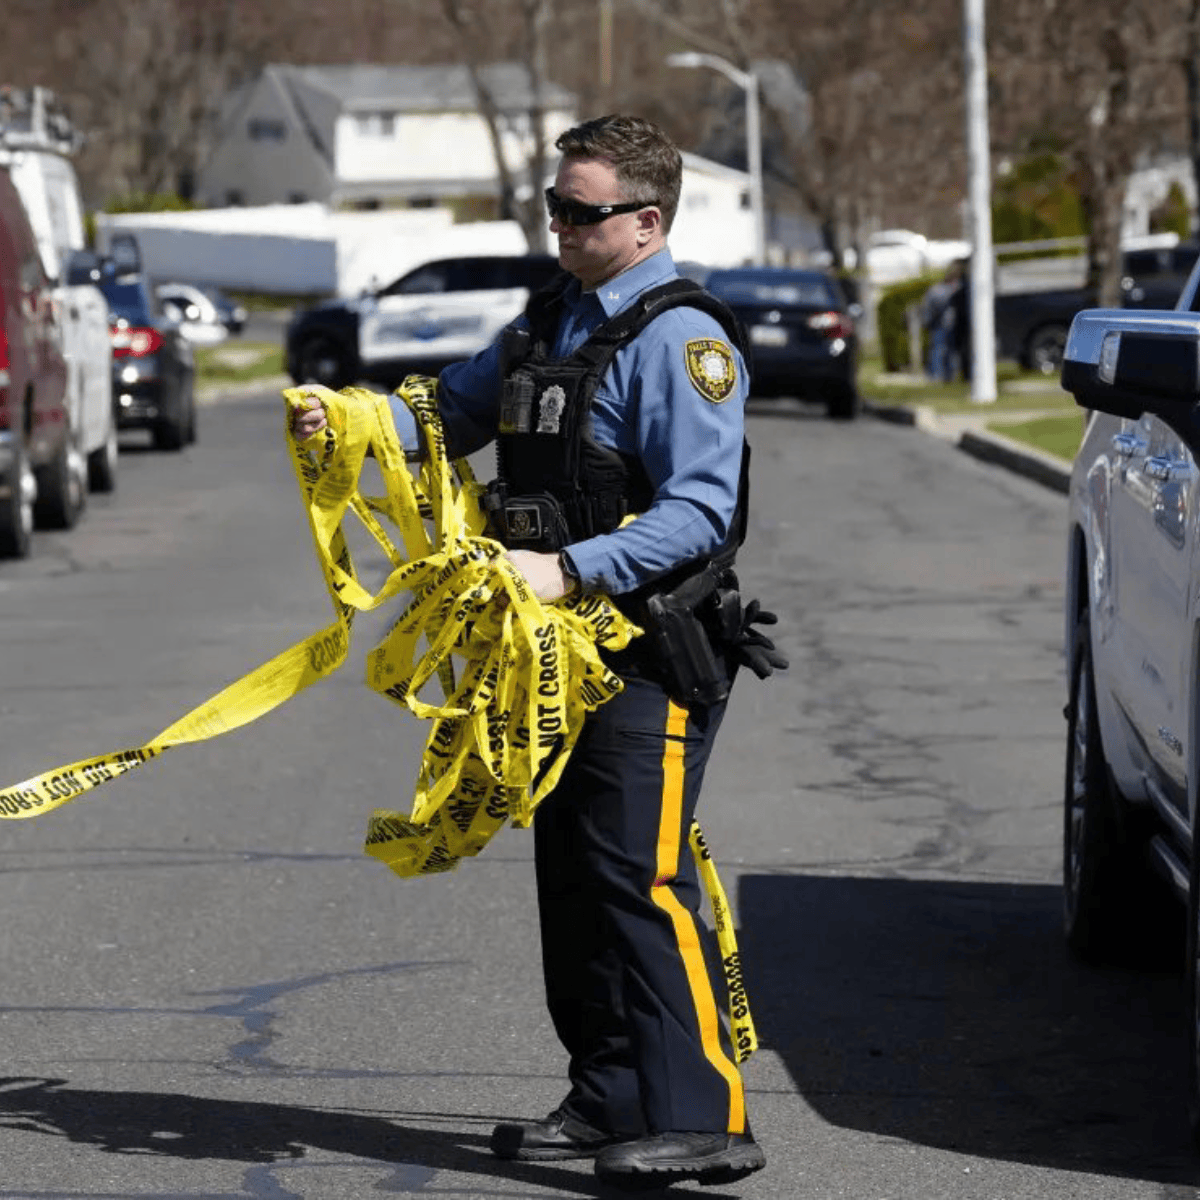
(517, 677)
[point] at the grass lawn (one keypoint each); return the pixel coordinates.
(238, 362)
(1042, 414)
(1054, 435)
(1017, 390)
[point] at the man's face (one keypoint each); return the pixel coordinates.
(595, 253)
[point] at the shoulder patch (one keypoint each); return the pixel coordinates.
(711, 368)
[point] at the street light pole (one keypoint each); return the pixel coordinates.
(748, 82)
(981, 282)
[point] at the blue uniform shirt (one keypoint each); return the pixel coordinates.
(647, 405)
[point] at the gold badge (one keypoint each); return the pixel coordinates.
(711, 369)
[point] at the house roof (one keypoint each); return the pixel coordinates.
(425, 89)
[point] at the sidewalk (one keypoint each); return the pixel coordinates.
(970, 434)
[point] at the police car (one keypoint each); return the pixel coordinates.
(438, 313)
(1131, 839)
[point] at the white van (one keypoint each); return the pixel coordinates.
(36, 143)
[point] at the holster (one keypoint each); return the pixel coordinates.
(691, 627)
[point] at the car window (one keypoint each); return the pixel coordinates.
(755, 289)
(1183, 259)
(128, 300)
(429, 278)
(475, 275)
(1141, 263)
(532, 273)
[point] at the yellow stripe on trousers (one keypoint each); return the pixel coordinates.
(670, 837)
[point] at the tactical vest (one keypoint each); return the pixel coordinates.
(556, 484)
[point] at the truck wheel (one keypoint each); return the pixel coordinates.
(16, 509)
(102, 463)
(1044, 349)
(322, 360)
(1115, 909)
(1191, 986)
(61, 489)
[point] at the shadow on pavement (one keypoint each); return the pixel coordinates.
(196, 1128)
(950, 1015)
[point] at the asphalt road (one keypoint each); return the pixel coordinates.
(208, 991)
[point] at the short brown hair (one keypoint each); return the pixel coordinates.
(648, 164)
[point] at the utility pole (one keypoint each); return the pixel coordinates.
(983, 316)
(606, 52)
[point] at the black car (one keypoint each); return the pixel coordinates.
(801, 331)
(439, 313)
(153, 365)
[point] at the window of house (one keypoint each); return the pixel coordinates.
(262, 129)
(375, 124)
(235, 197)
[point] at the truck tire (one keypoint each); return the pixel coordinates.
(1115, 909)
(1044, 349)
(102, 463)
(61, 489)
(16, 510)
(1191, 988)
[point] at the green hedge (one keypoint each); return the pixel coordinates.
(891, 324)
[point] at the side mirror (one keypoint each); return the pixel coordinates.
(1128, 363)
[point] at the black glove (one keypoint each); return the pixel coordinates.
(754, 649)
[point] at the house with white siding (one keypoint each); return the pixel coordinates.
(374, 136)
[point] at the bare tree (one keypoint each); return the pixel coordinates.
(476, 27)
(864, 106)
(1091, 80)
(1190, 65)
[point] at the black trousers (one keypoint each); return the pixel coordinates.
(623, 949)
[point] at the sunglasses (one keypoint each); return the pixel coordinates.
(573, 212)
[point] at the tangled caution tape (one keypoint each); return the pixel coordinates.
(517, 677)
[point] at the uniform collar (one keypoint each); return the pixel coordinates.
(621, 290)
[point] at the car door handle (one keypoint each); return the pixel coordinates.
(1163, 468)
(1127, 444)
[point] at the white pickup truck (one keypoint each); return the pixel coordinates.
(37, 146)
(1131, 838)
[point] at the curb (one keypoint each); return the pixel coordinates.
(989, 447)
(1037, 465)
(918, 416)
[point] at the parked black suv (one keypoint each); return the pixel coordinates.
(439, 313)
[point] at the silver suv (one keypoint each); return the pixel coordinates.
(1131, 853)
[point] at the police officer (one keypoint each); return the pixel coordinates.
(620, 395)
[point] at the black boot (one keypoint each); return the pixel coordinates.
(664, 1158)
(560, 1135)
